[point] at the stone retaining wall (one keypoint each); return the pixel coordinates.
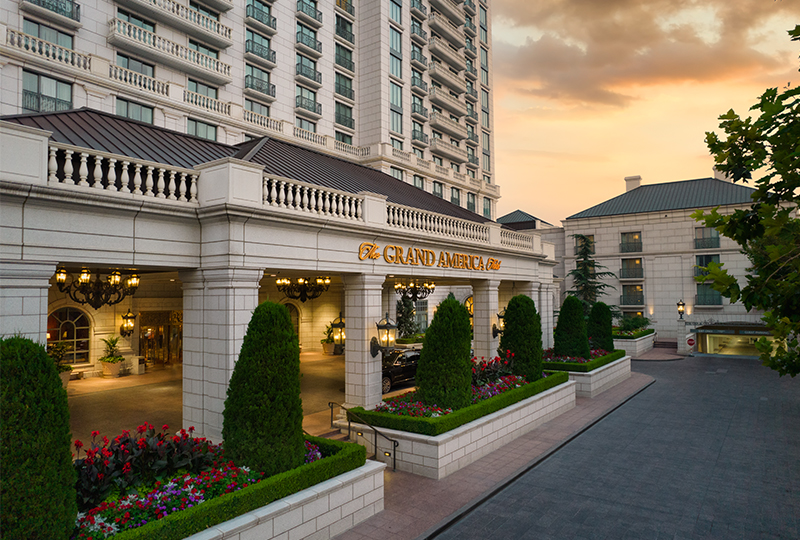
(601, 379)
(635, 347)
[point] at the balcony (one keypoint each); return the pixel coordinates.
(448, 125)
(180, 17)
(346, 121)
(307, 106)
(452, 10)
(309, 44)
(419, 60)
(309, 14)
(454, 82)
(469, 7)
(418, 111)
(448, 151)
(706, 243)
(308, 75)
(441, 97)
(470, 28)
(699, 271)
(219, 5)
(446, 53)
(64, 12)
(259, 87)
(631, 273)
(447, 30)
(261, 20)
(630, 247)
(472, 116)
(346, 6)
(258, 53)
(472, 137)
(472, 161)
(419, 9)
(471, 94)
(470, 49)
(419, 138)
(708, 299)
(345, 91)
(471, 72)
(418, 34)
(33, 101)
(139, 41)
(345, 62)
(419, 85)
(347, 35)
(631, 299)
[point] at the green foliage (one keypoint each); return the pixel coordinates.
(443, 424)
(263, 417)
(413, 338)
(444, 373)
(406, 318)
(570, 335)
(37, 482)
(586, 280)
(111, 355)
(588, 366)
(57, 351)
(635, 334)
(522, 336)
(328, 335)
(342, 457)
(630, 324)
(599, 327)
(769, 230)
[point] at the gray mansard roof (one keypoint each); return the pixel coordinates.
(698, 193)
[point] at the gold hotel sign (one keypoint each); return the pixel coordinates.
(425, 257)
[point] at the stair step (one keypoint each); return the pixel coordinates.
(665, 345)
(335, 435)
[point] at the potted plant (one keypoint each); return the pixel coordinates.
(57, 351)
(327, 343)
(112, 361)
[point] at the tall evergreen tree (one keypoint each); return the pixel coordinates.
(406, 318)
(587, 275)
(522, 336)
(599, 327)
(570, 335)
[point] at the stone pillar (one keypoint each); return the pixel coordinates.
(546, 307)
(684, 349)
(485, 297)
(23, 298)
(217, 307)
(362, 309)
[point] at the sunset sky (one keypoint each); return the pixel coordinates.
(590, 91)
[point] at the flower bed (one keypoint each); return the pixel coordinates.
(583, 365)
(594, 376)
(632, 334)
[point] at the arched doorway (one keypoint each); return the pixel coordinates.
(294, 314)
(71, 326)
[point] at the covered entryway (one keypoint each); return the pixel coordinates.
(730, 339)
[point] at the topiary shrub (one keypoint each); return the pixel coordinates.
(570, 334)
(263, 418)
(37, 481)
(522, 335)
(444, 373)
(599, 327)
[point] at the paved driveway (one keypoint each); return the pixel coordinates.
(711, 450)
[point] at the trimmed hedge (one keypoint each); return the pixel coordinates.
(569, 336)
(588, 366)
(522, 336)
(443, 424)
(599, 327)
(636, 335)
(179, 525)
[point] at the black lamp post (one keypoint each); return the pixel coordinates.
(338, 334)
(387, 332)
(498, 328)
(681, 308)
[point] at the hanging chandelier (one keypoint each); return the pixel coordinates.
(97, 292)
(303, 288)
(415, 290)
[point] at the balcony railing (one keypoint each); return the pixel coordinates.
(260, 50)
(630, 247)
(345, 120)
(631, 273)
(420, 136)
(345, 62)
(471, 48)
(700, 271)
(259, 85)
(450, 151)
(472, 137)
(308, 72)
(472, 115)
(65, 8)
(137, 80)
(469, 27)
(470, 70)
(48, 51)
(345, 91)
(261, 16)
(33, 101)
(441, 73)
(419, 7)
(182, 17)
(469, 5)
(632, 299)
(444, 27)
(472, 159)
(416, 30)
(472, 93)
(706, 243)
(309, 41)
(441, 49)
(343, 32)
(308, 104)
(347, 6)
(708, 299)
(449, 126)
(309, 10)
(417, 82)
(417, 56)
(419, 109)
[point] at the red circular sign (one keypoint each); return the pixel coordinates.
(690, 342)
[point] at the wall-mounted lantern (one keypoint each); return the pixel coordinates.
(681, 308)
(338, 334)
(498, 328)
(387, 333)
(128, 323)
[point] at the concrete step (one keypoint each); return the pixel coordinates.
(335, 435)
(665, 345)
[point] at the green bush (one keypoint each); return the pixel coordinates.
(443, 424)
(588, 366)
(341, 457)
(263, 417)
(570, 334)
(629, 324)
(444, 373)
(636, 334)
(522, 336)
(599, 327)
(37, 481)
(406, 318)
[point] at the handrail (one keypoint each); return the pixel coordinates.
(395, 443)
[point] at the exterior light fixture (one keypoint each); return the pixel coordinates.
(415, 289)
(97, 293)
(498, 328)
(387, 454)
(128, 323)
(387, 332)
(338, 334)
(681, 308)
(303, 288)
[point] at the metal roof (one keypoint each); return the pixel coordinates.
(96, 130)
(698, 193)
(518, 216)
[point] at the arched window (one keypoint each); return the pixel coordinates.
(295, 316)
(71, 326)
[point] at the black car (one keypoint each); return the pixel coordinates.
(399, 365)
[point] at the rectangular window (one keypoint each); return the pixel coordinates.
(396, 96)
(307, 125)
(419, 181)
(487, 178)
(455, 196)
(395, 66)
(344, 57)
(632, 295)
(484, 77)
(706, 238)
(421, 314)
(201, 129)
(397, 143)
(470, 173)
(706, 296)
(485, 140)
(396, 121)
(419, 153)
(135, 20)
(256, 107)
(396, 11)
(44, 94)
(630, 242)
(133, 64)
(344, 86)
(202, 89)
(397, 173)
(256, 73)
(344, 137)
(202, 49)
(485, 99)
(438, 160)
(395, 42)
(134, 111)
(438, 189)
(485, 119)
(471, 202)
(487, 162)
(257, 39)
(487, 207)
(203, 10)
(704, 260)
(484, 58)
(46, 33)
(344, 115)
(631, 269)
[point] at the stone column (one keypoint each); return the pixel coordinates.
(217, 307)
(362, 309)
(23, 298)
(485, 297)
(545, 307)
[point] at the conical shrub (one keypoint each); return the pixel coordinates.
(37, 480)
(599, 327)
(444, 374)
(570, 334)
(522, 336)
(263, 417)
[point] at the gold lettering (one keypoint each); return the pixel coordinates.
(386, 256)
(430, 257)
(443, 263)
(480, 264)
(399, 258)
(368, 250)
(410, 259)
(419, 255)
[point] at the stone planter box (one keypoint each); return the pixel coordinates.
(111, 370)
(320, 512)
(635, 347)
(601, 379)
(436, 457)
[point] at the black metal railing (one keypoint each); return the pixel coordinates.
(308, 104)
(630, 247)
(349, 413)
(469, 25)
(419, 6)
(310, 10)
(418, 135)
(472, 137)
(472, 115)
(416, 30)
(65, 8)
(419, 57)
(262, 51)
(344, 32)
(346, 5)
(472, 159)
(346, 91)
(417, 108)
(345, 62)
(345, 120)
(308, 72)
(309, 41)
(261, 16)
(631, 273)
(419, 83)
(706, 243)
(471, 92)
(632, 299)
(259, 85)
(471, 70)
(708, 299)
(470, 47)
(33, 101)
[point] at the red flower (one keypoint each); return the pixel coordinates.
(105, 440)
(95, 434)
(78, 445)
(165, 427)
(191, 429)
